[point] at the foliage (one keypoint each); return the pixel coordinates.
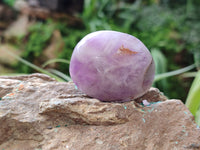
(193, 99)
(9, 2)
(38, 38)
(161, 67)
(71, 37)
(170, 29)
(34, 66)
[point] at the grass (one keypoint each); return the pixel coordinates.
(56, 60)
(173, 73)
(33, 66)
(193, 99)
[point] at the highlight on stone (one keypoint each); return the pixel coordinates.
(112, 66)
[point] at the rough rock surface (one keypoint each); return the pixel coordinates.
(38, 113)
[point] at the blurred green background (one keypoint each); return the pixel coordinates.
(169, 28)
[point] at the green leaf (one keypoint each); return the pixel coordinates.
(197, 58)
(13, 74)
(55, 61)
(173, 73)
(193, 99)
(32, 65)
(159, 60)
(189, 75)
(161, 67)
(9, 2)
(60, 74)
(197, 117)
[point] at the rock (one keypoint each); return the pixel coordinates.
(36, 112)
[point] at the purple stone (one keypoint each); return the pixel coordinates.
(112, 66)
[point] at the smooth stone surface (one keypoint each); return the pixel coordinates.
(112, 66)
(36, 112)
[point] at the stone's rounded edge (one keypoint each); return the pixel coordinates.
(85, 111)
(96, 64)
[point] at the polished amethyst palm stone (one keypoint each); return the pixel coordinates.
(112, 66)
